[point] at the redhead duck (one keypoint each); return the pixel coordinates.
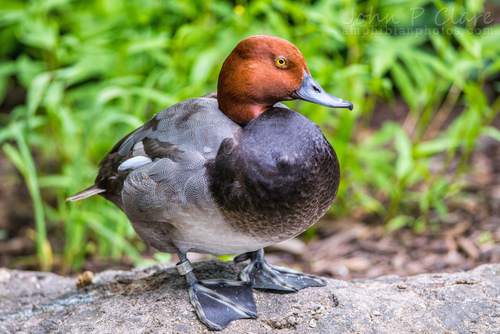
(229, 173)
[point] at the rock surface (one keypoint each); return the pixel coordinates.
(155, 300)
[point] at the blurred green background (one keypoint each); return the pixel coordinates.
(76, 76)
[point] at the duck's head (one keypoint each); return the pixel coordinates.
(263, 70)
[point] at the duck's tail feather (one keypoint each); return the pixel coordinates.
(90, 191)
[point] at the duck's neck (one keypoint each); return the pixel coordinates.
(241, 112)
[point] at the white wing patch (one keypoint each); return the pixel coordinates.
(134, 163)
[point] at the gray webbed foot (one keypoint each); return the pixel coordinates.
(218, 302)
(267, 277)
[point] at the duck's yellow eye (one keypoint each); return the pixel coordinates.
(281, 61)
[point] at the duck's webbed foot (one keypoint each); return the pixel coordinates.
(218, 302)
(267, 277)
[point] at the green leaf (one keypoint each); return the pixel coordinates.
(36, 92)
(399, 222)
(491, 132)
(6, 70)
(468, 42)
(38, 33)
(203, 65)
(163, 257)
(15, 156)
(404, 161)
(435, 146)
(148, 45)
(404, 84)
(12, 16)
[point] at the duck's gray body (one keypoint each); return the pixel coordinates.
(192, 180)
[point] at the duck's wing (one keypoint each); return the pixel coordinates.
(189, 132)
(191, 125)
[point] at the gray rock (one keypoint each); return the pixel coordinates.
(155, 300)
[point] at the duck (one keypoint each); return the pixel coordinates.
(230, 172)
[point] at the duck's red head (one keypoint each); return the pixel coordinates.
(263, 70)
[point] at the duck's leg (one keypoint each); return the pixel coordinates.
(267, 277)
(218, 302)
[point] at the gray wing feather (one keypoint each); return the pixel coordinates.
(195, 124)
(190, 133)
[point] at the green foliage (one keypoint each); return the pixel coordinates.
(95, 70)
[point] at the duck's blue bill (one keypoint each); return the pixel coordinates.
(311, 91)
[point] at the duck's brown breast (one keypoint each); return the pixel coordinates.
(277, 179)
